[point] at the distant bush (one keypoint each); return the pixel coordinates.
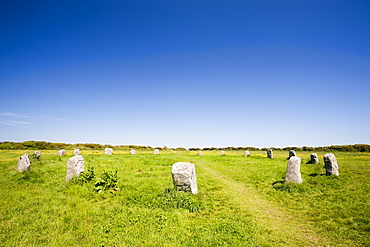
(180, 149)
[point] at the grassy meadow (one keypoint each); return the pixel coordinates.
(242, 201)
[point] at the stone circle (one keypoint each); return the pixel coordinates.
(292, 153)
(293, 171)
(24, 163)
(61, 152)
(75, 166)
(270, 154)
(314, 159)
(331, 164)
(184, 177)
(108, 151)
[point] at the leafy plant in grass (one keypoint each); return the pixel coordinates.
(108, 181)
(88, 175)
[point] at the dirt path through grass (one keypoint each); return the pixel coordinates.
(282, 228)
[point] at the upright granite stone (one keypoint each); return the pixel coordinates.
(184, 178)
(75, 166)
(223, 153)
(132, 151)
(38, 153)
(76, 151)
(293, 170)
(200, 153)
(292, 153)
(246, 153)
(270, 154)
(331, 164)
(156, 151)
(313, 159)
(108, 151)
(24, 163)
(61, 152)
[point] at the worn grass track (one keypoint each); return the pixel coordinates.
(283, 228)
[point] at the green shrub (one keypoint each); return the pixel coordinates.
(88, 175)
(108, 181)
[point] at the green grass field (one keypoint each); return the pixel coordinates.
(242, 201)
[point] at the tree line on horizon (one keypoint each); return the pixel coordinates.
(43, 145)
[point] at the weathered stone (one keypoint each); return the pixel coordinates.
(156, 151)
(331, 164)
(292, 153)
(313, 159)
(200, 153)
(223, 153)
(61, 152)
(38, 153)
(270, 154)
(108, 151)
(75, 166)
(132, 151)
(246, 153)
(293, 170)
(76, 151)
(184, 178)
(24, 163)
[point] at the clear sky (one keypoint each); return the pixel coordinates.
(186, 73)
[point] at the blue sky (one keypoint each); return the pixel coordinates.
(186, 73)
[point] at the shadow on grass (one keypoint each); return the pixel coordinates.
(316, 174)
(289, 187)
(278, 182)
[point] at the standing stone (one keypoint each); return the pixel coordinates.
(61, 152)
(292, 153)
(200, 153)
(331, 164)
(313, 159)
(75, 166)
(184, 178)
(293, 172)
(76, 151)
(246, 153)
(270, 154)
(223, 153)
(24, 163)
(108, 151)
(38, 153)
(132, 151)
(156, 151)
